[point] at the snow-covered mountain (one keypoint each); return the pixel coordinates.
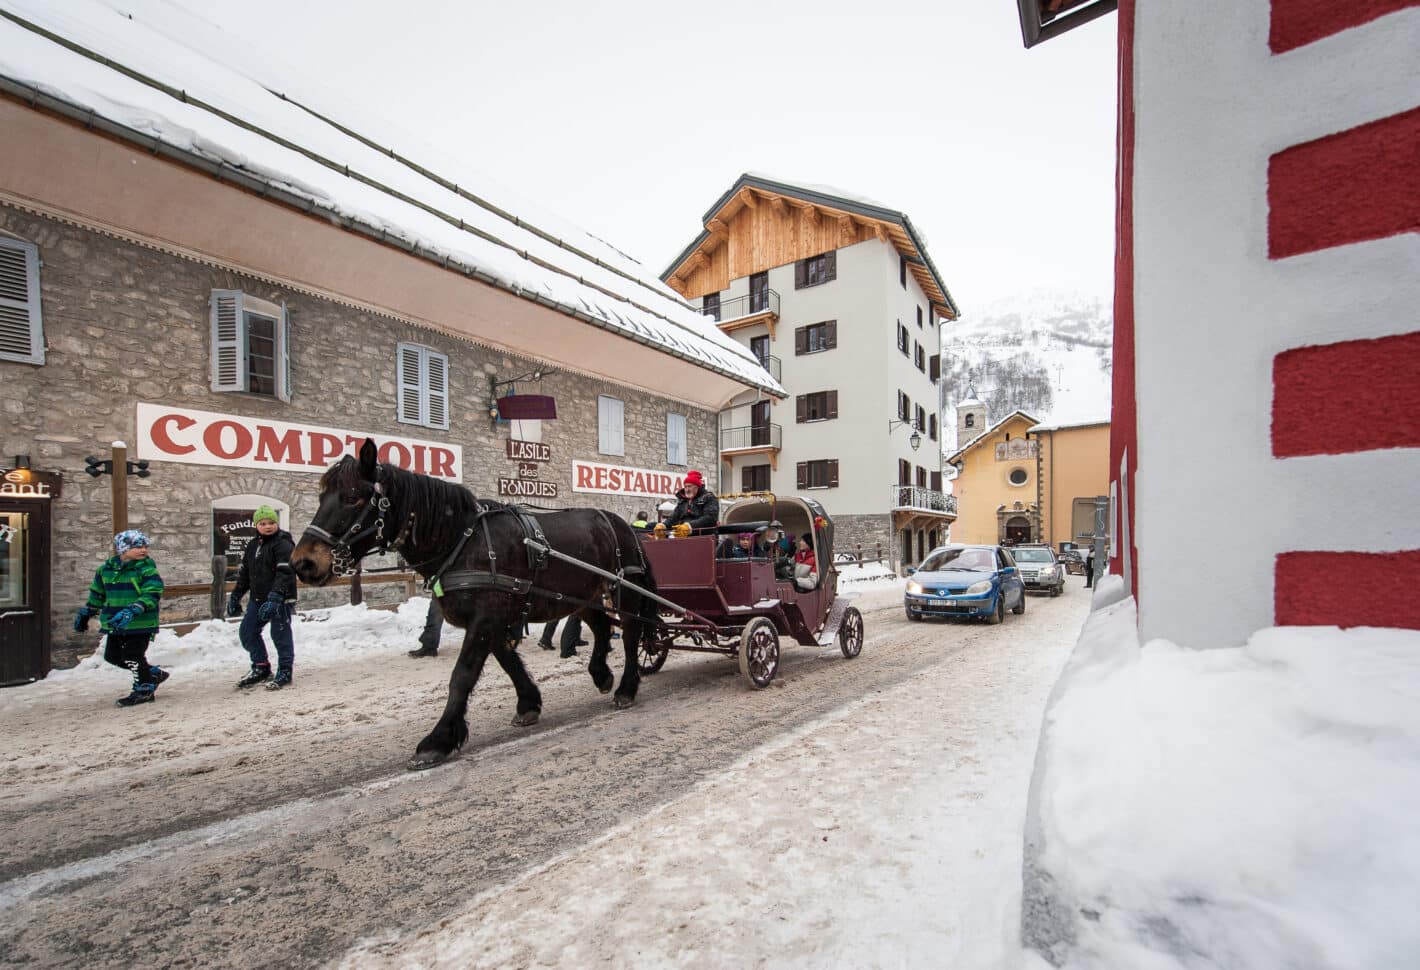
(1046, 353)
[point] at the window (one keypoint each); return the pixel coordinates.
(904, 407)
(759, 292)
(711, 306)
(1018, 476)
(816, 270)
(818, 474)
(932, 426)
(251, 340)
(759, 346)
(816, 337)
(675, 440)
(904, 472)
(919, 356)
(423, 383)
(818, 406)
(21, 328)
(936, 483)
(920, 424)
(921, 477)
(610, 425)
(902, 270)
(754, 478)
(919, 318)
(902, 341)
(970, 421)
(934, 367)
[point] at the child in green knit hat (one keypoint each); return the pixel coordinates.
(266, 572)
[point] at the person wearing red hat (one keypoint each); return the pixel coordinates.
(696, 505)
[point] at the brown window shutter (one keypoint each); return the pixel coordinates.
(932, 427)
(936, 367)
(936, 481)
(830, 260)
(833, 404)
(801, 340)
(801, 408)
(746, 479)
(833, 473)
(803, 474)
(801, 274)
(830, 329)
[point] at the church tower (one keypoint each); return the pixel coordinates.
(971, 417)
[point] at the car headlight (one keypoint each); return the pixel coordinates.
(914, 587)
(1049, 572)
(976, 589)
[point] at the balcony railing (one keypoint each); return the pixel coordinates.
(770, 363)
(747, 306)
(751, 436)
(919, 497)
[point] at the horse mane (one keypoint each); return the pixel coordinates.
(441, 509)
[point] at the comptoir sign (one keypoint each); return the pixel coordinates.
(194, 437)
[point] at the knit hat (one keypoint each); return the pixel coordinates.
(130, 539)
(694, 478)
(746, 535)
(264, 512)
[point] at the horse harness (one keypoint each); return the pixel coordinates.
(342, 555)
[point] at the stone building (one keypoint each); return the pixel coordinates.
(241, 290)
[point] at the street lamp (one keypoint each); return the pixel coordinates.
(915, 441)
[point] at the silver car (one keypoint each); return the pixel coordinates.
(1040, 570)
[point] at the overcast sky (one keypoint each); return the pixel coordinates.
(630, 118)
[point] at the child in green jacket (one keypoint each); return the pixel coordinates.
(124, 596)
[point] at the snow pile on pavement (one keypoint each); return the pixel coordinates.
(1241, 807)
(869, 574)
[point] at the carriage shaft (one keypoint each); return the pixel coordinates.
(570, 560)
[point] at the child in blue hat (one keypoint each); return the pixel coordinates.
(124, 596)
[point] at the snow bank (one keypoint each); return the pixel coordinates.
(1243, 807)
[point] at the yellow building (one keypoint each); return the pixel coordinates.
(1022, 481)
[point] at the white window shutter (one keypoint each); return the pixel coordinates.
(410, 382)
(437, 411)
(610, 428)
(229, 343)
(21, 330)
(675, 439)
(283, 356)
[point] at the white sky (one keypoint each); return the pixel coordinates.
(630, 118)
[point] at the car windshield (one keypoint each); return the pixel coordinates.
(961, 559)
(1033, 555)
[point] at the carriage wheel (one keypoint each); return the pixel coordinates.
(759, 651)
(648, 658)
(850, 633)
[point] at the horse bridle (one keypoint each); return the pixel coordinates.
(342, 553)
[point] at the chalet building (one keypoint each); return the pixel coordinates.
(838, 299)
(1298, 206)
(241, 288)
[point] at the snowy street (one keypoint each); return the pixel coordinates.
(858, 812)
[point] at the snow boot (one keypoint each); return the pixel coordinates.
(142, 694)
(159, 676)
(425, 652)
(256, 675)
(282, 679)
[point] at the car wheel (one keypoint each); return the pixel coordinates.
(999, 613)
(1019, 610)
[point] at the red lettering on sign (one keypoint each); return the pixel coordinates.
(164, 441)
(584, 476)
(212, 438)
(419, 453)
(400, 452)
(285, 449)
(324, 448)
(600, 478)
(441, 462)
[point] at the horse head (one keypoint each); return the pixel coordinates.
(349, 519)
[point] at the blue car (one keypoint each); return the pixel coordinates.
(965, 580)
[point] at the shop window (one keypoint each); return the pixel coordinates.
(251, 341)
(21, 326)
(423, 383)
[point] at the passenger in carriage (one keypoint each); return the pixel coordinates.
(741, 548)
(697, 508)
(805, 565)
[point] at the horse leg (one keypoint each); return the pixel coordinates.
(452, 730)
(632, 630)
(529, 697)
(601, 646)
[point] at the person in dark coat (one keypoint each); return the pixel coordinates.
(433, 630)
(1090, 568)
(266, 572)
(696, 506)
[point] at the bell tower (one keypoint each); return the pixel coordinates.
(971, 417)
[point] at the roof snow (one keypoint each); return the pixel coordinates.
(156, 72)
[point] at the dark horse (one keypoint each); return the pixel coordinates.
(485, 571)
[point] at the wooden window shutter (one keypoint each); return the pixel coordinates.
(801, 274)
(801, 341)
(830, 263)
(936, 481)
(934, 367)
(801, 408)
(833, 404)
(830, 334)
(932, 426)
(803, 475)
(21, 327)
(436, 367)
(833, 473)
(409, 384)
(229, 343)
(283, 355)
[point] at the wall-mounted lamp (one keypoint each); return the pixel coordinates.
(915, 441)
(22, 461)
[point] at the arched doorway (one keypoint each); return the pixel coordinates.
(1017, 529)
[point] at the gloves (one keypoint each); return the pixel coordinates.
(271, 609)
(680, 530)
(125, 616)
(659, 530)
(82, 618)
(234, 605)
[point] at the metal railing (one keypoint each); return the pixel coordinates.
(770, 363)
(752, 436)
(920, 497)
(747, 305)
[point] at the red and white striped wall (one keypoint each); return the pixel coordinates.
(1266, 452)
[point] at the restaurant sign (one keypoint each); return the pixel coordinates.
(594, 477)
(193, 437)
(24, 483)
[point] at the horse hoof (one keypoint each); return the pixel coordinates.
(526, 719)
(426, 759)
(621, 702)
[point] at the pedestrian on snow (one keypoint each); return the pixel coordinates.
(696, 506)
(1090, 568)
(432, 632)
(266, 572)
(571, 636)
(124, 596)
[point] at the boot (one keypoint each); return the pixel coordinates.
(142, 694)
(282, 679)
(425, 652)
(159, 676)
(256, 675)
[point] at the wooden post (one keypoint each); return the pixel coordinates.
(120, 487)
(410, 587)
(217, 602)
(357, 595)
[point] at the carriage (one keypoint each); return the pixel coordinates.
(742, 607)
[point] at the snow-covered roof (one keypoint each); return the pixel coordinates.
(985, 434)
(1067, 425)
(153, 73)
